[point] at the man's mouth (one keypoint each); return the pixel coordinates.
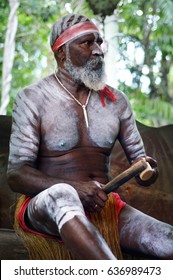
(96, 63)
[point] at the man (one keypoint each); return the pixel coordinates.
(64, 129)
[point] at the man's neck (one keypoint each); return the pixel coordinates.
(78, 90)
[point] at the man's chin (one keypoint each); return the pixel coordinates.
(92, 76)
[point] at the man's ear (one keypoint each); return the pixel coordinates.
(60, 54)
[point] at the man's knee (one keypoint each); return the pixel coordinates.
(159, 240)
(62, 203)
(62, 190)
(168, 242)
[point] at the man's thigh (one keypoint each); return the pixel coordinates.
(145, 234)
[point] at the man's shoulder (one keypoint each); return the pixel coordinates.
(33, 94)
(120, 95)
(38, 86)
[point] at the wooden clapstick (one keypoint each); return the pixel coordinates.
(137, 168)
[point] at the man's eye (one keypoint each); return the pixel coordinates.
(88, 43)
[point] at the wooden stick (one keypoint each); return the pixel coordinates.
(147, 173)
(126, 175)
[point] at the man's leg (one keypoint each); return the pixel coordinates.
(145, 234)
(58, 211)
(84, 240)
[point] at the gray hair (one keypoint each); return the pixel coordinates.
(63, 23)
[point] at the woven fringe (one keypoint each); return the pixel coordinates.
(106, 222)
(42, 248)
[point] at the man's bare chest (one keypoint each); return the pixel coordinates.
(63, 126)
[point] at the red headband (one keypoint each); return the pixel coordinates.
(73, 32)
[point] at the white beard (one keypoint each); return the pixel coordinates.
(92, 74)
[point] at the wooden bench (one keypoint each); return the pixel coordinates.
(156, 200)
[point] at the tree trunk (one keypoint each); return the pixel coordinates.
(112, 51)
(8, 56)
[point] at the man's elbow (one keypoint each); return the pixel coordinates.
(13, 179)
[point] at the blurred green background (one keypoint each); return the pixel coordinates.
(137, 33)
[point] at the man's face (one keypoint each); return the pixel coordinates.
(84, 48)
(84, 61)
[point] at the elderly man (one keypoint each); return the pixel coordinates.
(64, 129)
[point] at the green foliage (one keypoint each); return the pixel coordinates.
(152, 112)
(33, 56)
(149, 111)
(3, 25)
(148, 24)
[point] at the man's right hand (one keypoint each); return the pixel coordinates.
(91, 195)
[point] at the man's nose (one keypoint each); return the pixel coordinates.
(97, 50)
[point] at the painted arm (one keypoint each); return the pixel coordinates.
(131, 141)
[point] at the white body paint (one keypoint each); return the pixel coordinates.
(152, 236)
(44, 116)
(59, 204)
